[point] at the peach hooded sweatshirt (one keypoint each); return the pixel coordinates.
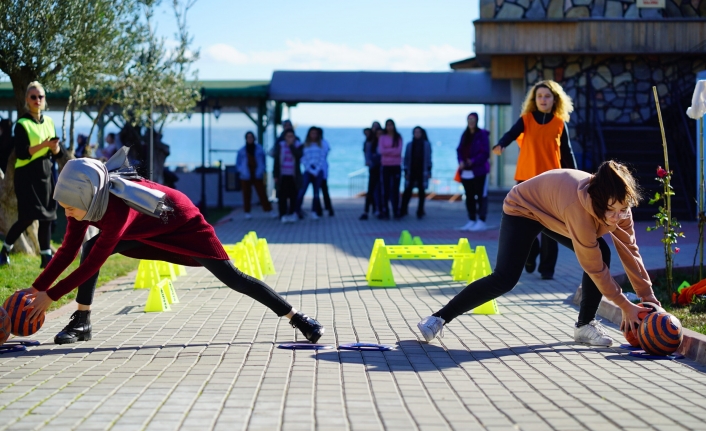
(559, 200)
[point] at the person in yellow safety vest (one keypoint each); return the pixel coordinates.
(36, 148)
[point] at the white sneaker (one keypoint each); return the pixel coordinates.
(273, 214)
(314, 216)
(431, 327)
(479, 226)
(293, 218)
(284, 219)
(468, 226)
(248, 216)
(592, 334)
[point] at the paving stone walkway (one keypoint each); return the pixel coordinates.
(212, 362)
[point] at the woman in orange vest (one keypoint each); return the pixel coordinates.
(543, 138)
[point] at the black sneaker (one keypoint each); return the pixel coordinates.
(4, 257)
(311, 329)
(363, 216)
(45, 260)
(547, 276)
(78, 329)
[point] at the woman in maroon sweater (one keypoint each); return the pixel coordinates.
(143, 220)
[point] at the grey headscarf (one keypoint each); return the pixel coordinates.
(87, 184)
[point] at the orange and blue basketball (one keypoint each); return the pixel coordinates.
(660, 334)
(5, 326)
(648, 307)
(16, 307)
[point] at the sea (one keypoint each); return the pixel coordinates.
(347, 173)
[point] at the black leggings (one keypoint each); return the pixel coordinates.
(477, 186)
(222, 269)
(516, 237)
(43, 235)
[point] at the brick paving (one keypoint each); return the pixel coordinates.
(212, 362)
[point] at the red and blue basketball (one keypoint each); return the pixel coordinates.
(5, 326)
(16, 307)
(649, 307)
(660, 334)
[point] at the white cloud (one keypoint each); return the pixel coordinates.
(320, 55)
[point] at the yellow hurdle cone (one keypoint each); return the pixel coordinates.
(405, 238)
(169, 291)
(166, 270)
(263, 251)
(157, 300)
(147, 275)
(490, 307)
(179, 269)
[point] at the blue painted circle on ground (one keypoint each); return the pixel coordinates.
(643, 355)
(365, 346)
(305, 346)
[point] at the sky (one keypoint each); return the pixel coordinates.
(241, 40)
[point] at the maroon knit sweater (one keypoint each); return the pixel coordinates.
(185, 234)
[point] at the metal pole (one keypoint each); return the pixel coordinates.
(210, 118)
(203, 154)
(220, 184)
(151, 143)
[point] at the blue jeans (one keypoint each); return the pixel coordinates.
(316, 181)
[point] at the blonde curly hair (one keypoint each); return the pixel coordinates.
(563, 105)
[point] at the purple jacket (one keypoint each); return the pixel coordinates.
(475, 153)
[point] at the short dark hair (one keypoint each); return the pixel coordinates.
(613, 182)
(287, 132)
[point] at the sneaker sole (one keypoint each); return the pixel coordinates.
(315, 337)
(588, 343)
(428, 340)
(71, 341)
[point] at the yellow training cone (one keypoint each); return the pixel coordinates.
(147, 275)
(169, 291)
(179, 269)
(166, 270)
(265, 258)
(490, 307)
(405, 238)
(157, 300)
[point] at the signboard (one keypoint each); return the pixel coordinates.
(651, 4)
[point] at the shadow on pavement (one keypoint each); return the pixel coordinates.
(415, 356)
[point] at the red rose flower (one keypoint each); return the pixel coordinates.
(676, 249)
(661, 172)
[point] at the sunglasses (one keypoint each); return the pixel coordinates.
(35, 97)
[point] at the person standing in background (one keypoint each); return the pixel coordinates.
(36, 148)
(324, 182)
(372, 161)
(287, 175)
(473, 153)
(390, 150)
(417, 170)
(6, 145)
(250, 163)
(313, 159)
(543, 137)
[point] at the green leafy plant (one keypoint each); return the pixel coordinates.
(667, 223)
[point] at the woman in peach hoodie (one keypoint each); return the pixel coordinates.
(576, 209)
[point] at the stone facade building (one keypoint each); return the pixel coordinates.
(607, 55)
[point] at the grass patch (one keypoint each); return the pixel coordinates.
(691, 316)
(25, 268)
(215, 214)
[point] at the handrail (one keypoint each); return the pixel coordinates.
(358, 172)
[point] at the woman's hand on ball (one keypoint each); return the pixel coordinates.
(631, 319)
(40, 302)
(29, 291)
(651, 298)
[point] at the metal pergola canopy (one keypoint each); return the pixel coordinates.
(472, 87)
